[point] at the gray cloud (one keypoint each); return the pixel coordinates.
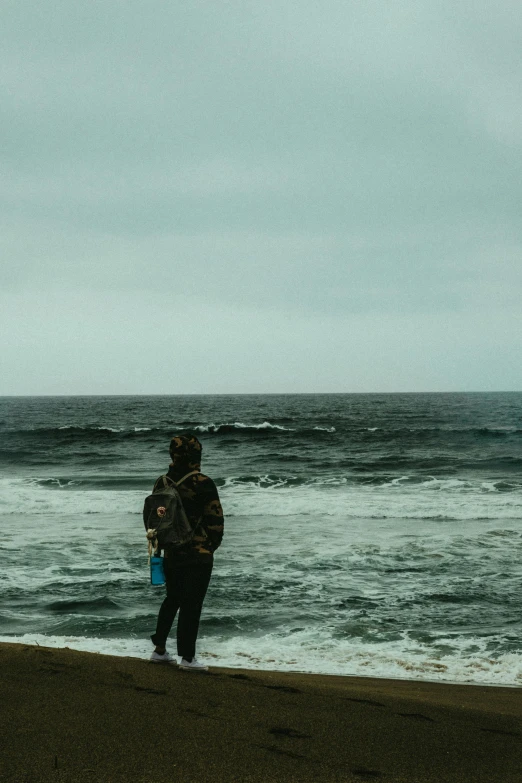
(295, 163)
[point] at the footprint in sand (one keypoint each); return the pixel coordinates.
(283, 732)
(415, 716)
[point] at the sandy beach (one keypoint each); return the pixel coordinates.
(73, 716)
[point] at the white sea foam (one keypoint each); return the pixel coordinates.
(308, 651)
(265, 425)
(97, 555)
(239, 425)
(325, 497)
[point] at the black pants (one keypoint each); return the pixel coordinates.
(186, 589)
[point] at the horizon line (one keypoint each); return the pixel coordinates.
(261, 394)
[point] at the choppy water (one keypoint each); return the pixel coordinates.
(365, 534)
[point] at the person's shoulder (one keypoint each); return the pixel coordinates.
(204, 483)
(203, 480)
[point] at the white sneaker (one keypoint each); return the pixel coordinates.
(165, 658)
(193, 665)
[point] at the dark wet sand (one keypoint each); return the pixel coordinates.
(71, 716)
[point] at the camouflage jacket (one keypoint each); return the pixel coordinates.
(203, 508)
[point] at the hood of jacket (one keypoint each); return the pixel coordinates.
(185, 454)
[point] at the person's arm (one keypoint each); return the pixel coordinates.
(213, 520)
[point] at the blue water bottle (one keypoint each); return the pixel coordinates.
(157, 573)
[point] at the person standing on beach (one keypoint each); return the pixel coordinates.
(188, 568)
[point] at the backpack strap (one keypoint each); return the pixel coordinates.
(177, 483)
(192, 473)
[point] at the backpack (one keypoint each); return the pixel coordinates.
(165, 519)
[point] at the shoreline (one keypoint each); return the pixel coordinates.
(76, 716)
(143, 656)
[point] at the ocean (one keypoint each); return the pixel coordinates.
(365, 534)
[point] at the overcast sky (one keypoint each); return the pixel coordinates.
(270, 196)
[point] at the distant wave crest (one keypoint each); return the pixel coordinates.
(239, 426)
